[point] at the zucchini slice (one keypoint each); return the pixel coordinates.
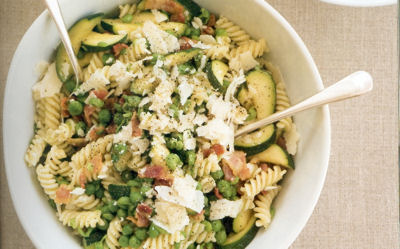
(96, 42)
(276, 155)
(146, 16)
(216, 71)
(257, 141)
(78, 32)
(175, 28)
(193, 8)
(240, 222)
(241, 239)
(85, 60)
(116, 26)
(190, 6)
(181, 57)
(117, 191)
(261, 91)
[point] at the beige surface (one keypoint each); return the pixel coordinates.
(358, 207)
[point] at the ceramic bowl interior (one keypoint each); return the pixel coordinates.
(362, 3)
(301, 188)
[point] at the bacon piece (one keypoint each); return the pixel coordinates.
(281, 142)
(62, 195)
(97, 163)
(101, 94)
(264, 166)
(228, 174)
(136, 131)
(111, 129)
(217, 194)
(208, 31)
(109, 102)
(96, 132)
(164, 182)
(144, 209)
(211, 22)
(82, 178)
(64, 107)
(88, 111)
(178, 17)
(216, 148)
(184, 43)
(140, 221)
(117, 48)
(154, 171)
(237, 163)
(142, 215)
(199, 217)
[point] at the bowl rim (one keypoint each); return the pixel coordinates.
(358, 3)
(319, 183)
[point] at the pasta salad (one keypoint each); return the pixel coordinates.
(141, 153)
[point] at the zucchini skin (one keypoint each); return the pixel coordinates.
(244, 240)
(118, 191)
(191, 6)
(253, 149)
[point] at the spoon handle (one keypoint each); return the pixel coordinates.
(55, 12)
(353, 85)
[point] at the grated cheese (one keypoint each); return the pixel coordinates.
(160, 41)
(223, 208)
(49, 85)
(170, 217)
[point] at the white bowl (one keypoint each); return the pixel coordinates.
(301, 187)
(361, 3)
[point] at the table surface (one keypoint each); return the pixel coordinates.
(358, 207)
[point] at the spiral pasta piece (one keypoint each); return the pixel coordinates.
(207, 184)
(61, 134)
(237, 34)
(257, 48)
(65, 170)
(35, 150)
(113, 233)
(84, 201)
(261, 181)
(40, 114)
(217, 52)
(95, 63)
(204, 167)
(136, 51)
(81, 219)
(52, 114)
(126, 9)
(100, 146)
(53, 159)
(263, 207)
(162, 241)
(47, 180)
(195, 232)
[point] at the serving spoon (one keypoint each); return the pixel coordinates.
(356, 84)
(55, 12)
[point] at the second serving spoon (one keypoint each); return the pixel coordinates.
(353, 85)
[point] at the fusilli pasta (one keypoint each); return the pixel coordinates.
(263, 207)
(47, 180)
(237, 34)
(81, 219)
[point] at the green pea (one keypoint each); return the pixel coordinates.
(132, 101)
(127, 18)
(144, 189)
(96, 102)
(131, 210)
(103, 227)
(221, 32)
(134, 242)
(75, 108)
(207, 212)
(127, 175)
(99, 193)
(108, 216)
(90, 189)
(192, 246)
(187, 107)
(118, 119)
(223, 186)
(141, 233)
(207, 225)
(252, 114)
(121, 213)
(173, 161)
(173, 111)
(136, 197)
(123, 202)
(105, 209)
(209, 245)
(177, 245)
(205, 201)
(70, 85)
(199, 186)
(153, 231)
(127, 230)
(190, 157)
(178, 136)
(123, 241)
(117, 107)
(104, 116)
(113, 208)
(179, 145)
(216, 225)
(108, 59)
(217, 174)
(220, 236)
(134, 183)
(235, 180)
(195, 32)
